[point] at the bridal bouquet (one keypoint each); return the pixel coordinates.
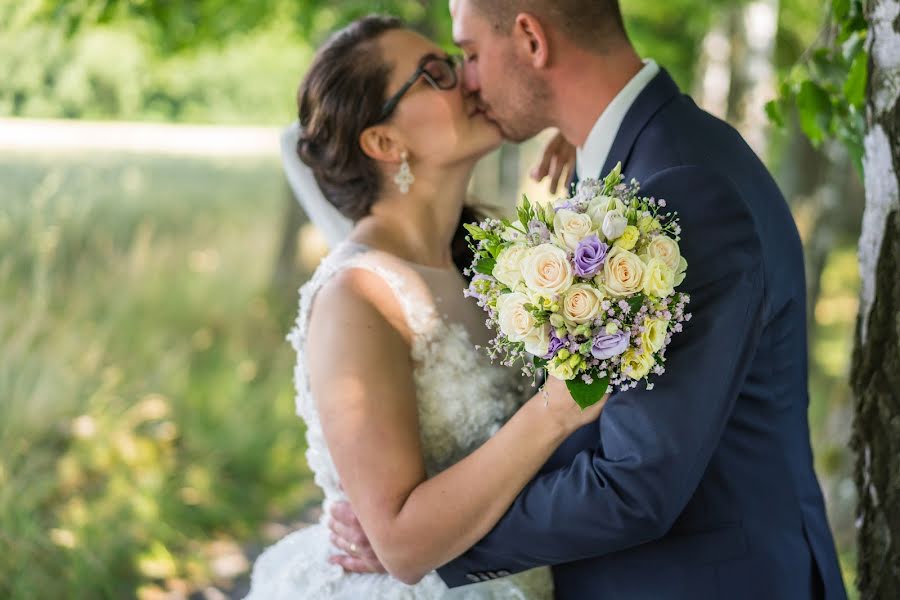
(585, 288)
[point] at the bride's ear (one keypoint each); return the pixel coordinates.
(378, 144)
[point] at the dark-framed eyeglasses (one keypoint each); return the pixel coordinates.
(441, 72)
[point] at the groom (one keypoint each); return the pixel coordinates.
(704, 487)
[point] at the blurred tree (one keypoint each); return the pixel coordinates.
(876, 361)
(181, 24)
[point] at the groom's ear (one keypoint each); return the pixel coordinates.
(530, 39)
(378, 144)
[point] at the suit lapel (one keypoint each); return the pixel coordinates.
(658, 92)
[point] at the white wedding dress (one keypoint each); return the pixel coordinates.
(462, 400)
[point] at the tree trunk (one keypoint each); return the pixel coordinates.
(876, 360)
(754, 28)
(284, 273)
(713, 77)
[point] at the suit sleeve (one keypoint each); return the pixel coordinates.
(652, 447)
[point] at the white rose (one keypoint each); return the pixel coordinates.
(623, 273)
(508, 269)
(614, 225)
(547, 271)
(519, 325)
(601, 205)
(581, 303)
(538, 341)
(571, 227)
(659, 280)
(666, 249)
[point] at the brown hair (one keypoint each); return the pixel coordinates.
(591, 24)
(342, 94)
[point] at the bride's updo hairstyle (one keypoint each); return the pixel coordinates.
(343, 94)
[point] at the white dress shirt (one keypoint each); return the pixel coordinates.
(590, 158)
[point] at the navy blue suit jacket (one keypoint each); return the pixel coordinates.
(704, 487)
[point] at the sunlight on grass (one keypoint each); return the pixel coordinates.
(147, 427)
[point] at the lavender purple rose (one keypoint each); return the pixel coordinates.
(590, 256)
(607, 346)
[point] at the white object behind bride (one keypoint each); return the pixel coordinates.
(405, 418)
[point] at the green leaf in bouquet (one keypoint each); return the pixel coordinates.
(587, 394)
(485, 266)
(475, 231)
(526, 203)
(495, 247)
(636, 302)
(524, 215)
(613, 179)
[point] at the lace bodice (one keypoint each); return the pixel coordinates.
(462, 400)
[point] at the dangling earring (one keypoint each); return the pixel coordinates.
(404, 177)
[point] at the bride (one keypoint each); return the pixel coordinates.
(406, 419)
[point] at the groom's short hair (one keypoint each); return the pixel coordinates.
(591, 24)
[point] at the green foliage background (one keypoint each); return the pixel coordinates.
(229, 62)
(146, 414)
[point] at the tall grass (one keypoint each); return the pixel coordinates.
(146, 408)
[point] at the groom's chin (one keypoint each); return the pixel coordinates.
(515, 135)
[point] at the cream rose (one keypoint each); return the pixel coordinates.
(571, 227)
(623, 273)
(636, 364)
(519, 325)
(581, 303)
(654, 335)
(508, 269)
(547, 271)
(666, 249)
(659, 280)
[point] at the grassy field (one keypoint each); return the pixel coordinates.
(146, 406)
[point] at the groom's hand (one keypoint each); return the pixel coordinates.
(348, 535)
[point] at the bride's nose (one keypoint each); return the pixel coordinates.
(469, 78)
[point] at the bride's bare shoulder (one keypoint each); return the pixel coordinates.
(360, 297)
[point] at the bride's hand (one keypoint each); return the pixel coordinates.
(560, 405)
(347, 535)
(558, 158)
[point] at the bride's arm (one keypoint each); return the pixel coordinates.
(362, 380)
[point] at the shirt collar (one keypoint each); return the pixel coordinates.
(590, 158)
